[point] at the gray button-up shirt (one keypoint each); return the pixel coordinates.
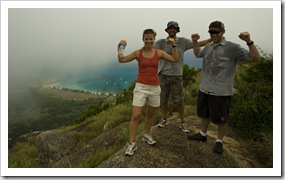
(219, 67)
(173, 68)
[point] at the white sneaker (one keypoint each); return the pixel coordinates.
(148, 138)
(183, 127)
(162, 123)
(131, 148)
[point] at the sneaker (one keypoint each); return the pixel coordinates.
(162, 123)
(218, 148)
(131, 148)
(197, 137)
(148, 138)
(183, 127)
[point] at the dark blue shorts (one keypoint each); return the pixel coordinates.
(213, 107)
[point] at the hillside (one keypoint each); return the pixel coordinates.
(99, 141)
(173, 149)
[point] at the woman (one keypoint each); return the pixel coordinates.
(147, 89)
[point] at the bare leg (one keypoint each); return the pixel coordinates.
(149, 119)
(205, 125)
(164, 109)
(180, 110)
(134, 124)
(222, 129)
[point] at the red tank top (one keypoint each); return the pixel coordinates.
(148, 69)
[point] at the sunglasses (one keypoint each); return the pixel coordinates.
(213, 32)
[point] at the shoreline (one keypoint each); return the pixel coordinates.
(73, 94)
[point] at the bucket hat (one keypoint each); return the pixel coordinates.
(172, 23)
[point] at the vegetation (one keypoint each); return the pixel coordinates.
(92, 110)
(100, 156)
(126, 132)
(23, 155)
(102, 122)
(126, 95)
(251, 116)
(38, 112)
(191, 77)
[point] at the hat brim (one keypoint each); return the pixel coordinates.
(178, 28)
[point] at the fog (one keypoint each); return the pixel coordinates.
(55, 42)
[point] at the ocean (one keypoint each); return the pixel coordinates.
(111, 79)
(114, 77)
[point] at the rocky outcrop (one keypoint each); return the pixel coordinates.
(54, 145)
(105, 140)
(174, 150)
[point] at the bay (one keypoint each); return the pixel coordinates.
(111, 79)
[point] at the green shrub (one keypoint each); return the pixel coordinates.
(251, 113)
(126, 95)
(262, 149)
(92, 110)
(189, 75)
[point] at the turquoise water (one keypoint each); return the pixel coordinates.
(114, 78)
(109, 80)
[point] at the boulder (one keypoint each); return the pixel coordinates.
(54, 145)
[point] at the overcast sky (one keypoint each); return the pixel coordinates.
(71, 39)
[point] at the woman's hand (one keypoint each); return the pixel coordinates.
(123, 42)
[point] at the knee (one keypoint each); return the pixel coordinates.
(136, 117)
(150, 113)
(220, 120)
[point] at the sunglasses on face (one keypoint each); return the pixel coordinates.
(213, 32)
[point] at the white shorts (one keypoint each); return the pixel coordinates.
(146, 94)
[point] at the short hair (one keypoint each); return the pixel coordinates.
(217, 24)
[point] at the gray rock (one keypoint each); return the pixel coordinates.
(54, 145)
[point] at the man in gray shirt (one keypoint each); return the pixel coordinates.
(217, 79)
(171, 74)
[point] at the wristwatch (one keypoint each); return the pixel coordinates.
(249, 44)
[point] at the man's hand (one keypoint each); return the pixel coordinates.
(195, 37)
(171, 41)
(245, 36)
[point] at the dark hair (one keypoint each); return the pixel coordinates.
(217, 24)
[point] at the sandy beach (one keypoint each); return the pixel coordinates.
(75, 95)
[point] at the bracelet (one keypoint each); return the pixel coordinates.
(249, 44)
(174, 46)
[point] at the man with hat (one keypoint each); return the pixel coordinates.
(171, 74)
(217, 79)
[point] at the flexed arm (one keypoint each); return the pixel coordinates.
(196, 47)
(204, 42)
(253, 52)
(175, 55)
(128, 58)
